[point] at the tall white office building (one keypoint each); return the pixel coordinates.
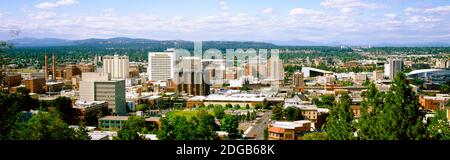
(395, 66)
(117, 66)
(161, 65)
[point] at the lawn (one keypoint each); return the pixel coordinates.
(186, 113)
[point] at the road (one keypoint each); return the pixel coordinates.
(261, 124)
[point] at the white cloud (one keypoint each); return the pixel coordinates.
(267, 10)
(302, 11)
(422, 19)
(440, 9)
(66, 2)
(42, 15)
(346, 10)
(409, 11)
(48, 5)
(109, 12)
(390, 15)
(224, 5)
(349, 4)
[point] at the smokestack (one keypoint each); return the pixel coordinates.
(46, 66)
(53, 67)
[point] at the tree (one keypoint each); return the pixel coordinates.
(245, 86)
(316, 136)
(445, 88)
(266, 133)
(292, 114)
(210, 106)
(339, 123)
(142, 107)
(11, 106)
(131, 128)
(258, 106)
(46, 126)
(438, 129)
(82, 133)
(230, 124)
(247, 106)
(228, 106)
(325, 101)
(23, 91)
(200, 127)
(401, 118)
(219, 112)
(370, 106)
(64, 106)
(248, 116)
(277, 113)
(266, 105)
(205, 126)
(236, 107)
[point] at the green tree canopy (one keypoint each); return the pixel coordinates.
(292, 114)
(142, 107)
(131, 128)
(340, 121)
(230, 124)
(219, 112)
(277, 113)
(46, 126)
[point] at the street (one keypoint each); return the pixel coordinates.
(258, 128)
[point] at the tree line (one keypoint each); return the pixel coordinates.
(394, 115)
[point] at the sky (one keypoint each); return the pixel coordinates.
(325, 21)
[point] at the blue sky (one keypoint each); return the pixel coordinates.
(345, 21)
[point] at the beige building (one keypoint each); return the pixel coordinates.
(100, 87)
(288, 130)
(117, 66)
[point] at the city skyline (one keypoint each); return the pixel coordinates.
(326, 21)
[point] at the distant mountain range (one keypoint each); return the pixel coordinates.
(123, 41)
(50, 42)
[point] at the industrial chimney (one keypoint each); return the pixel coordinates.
(46, 66)
(53, 67)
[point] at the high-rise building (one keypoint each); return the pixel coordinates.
(276, 69)
(190, 78)
(117, 66)
(161, 65)
(100, 87)
(298, 81)
(395, 66)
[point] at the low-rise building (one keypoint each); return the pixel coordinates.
(434, 102)
(116, 122)
(195, 101)
(12, 80)
(89, 111)
(235, 99)
(35, 85)
(102, 135)
(288, 130)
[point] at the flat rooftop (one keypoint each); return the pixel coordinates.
(290, 125)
